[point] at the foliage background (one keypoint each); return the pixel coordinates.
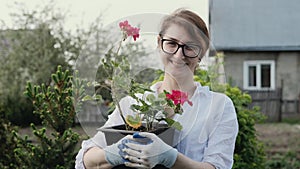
(33, 49)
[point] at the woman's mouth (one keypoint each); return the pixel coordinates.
(178, 63)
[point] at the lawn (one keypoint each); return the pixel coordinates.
(282, 144)
(279, 138)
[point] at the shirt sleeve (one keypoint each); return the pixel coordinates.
(97, 141)
(221, 142)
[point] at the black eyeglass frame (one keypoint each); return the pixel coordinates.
(179, 46)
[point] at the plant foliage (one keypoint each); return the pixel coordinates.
(56, 145)
(9, 143)
(30, 50)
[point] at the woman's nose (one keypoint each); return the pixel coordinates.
(179, 53)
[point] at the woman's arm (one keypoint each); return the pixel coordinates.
(105, 158)
(94, 151)
(183, 162)
(95, 158)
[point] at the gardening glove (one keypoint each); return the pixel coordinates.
(149, 152)
(113, 153)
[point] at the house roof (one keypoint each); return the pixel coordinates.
(255, 25)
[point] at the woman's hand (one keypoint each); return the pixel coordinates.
(114, 153)
(147, 150)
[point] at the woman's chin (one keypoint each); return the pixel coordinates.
(179, 71)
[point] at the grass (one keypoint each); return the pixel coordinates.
(279, 137)
(282, 144)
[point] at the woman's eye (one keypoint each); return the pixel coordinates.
(189, 48)
(171, 43)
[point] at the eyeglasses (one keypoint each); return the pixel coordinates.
(188, 50)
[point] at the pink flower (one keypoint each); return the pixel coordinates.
(179, 97)
(129, 30)
(124, 25)
(134, 32)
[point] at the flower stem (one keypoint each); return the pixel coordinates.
(120, 44)
(117, 101)
(121, 113)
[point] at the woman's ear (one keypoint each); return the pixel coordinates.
(158, 40)
(199, 59)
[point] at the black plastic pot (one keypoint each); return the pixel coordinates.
(115, 133)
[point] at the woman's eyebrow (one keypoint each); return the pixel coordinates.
(178, 41)
(173, 39)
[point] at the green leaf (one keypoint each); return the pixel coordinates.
(98, 97)
(162, 95)
(174, 124)
(54, 78)
(134, 122)
(150, 98)
(87, 98)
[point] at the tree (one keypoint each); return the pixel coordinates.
(55, 106)
(30, 51)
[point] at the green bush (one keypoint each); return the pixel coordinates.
(9, 143)
(54, 105)
(249, 152)
(31, 49)
(286, 161)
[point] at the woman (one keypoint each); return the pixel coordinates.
(209, 127)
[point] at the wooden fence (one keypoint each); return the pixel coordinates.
(273, 106)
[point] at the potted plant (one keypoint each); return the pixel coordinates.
(150, 109)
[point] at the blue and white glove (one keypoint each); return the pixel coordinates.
(114, 153)
(148, 152)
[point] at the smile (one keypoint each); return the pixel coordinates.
(178, 63)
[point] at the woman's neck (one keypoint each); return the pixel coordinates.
(185, 84)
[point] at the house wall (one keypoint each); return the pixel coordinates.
(287, 68)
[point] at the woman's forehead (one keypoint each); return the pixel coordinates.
(179, 33)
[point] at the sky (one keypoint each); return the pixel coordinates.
(83, 12)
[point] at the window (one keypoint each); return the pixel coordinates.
(259, 75)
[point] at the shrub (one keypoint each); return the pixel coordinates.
(286, 161)
(54, 105)
(9, 143)
(249, 151)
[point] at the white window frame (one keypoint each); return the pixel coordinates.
(257, 64)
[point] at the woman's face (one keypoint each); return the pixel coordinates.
(177, 64)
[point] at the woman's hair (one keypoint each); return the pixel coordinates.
(192, 22)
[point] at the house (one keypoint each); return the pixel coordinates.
(260, 40)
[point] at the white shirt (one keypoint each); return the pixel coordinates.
(209, 129)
